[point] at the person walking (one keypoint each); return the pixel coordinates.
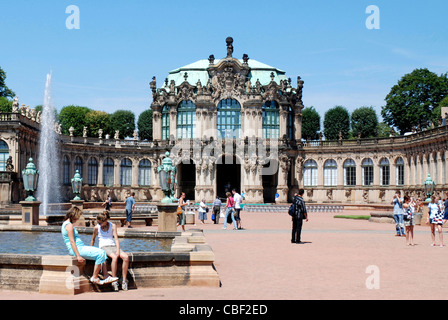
(229, 211)
(238, 200)
(108, 241)
(202, 211)
(445, 216)
(435, 219)
(130, 207)
(408, 216)
(397, 202)
(299, 214)
(182, 217)
(108, 202)
(217, 209)
(76, 248)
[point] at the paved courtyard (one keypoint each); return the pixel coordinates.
(335, 262)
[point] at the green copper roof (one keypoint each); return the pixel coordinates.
(198, 71)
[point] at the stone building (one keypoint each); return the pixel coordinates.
(231, 123)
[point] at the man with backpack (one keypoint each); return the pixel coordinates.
(298, 212)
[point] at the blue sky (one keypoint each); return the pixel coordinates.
(108, 63)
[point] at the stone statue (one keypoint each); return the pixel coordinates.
(100, 133)
(9, 165)
(84, 132)
(15, 105)
(117, 134)
(229, 42)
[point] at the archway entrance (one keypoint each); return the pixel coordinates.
(270, 183)
(187, 180)
(228, 176)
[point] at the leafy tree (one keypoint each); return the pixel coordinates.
(73, 116)
(412, 101)
(124, 121)
(383, 130)
(310, 124)
(96, 120)
(4, 90)
(144, 125)
(5, 105)
(336, 120)
(364, 121)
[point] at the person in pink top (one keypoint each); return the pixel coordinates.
(230, 205)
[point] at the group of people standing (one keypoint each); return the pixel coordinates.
(404, 216)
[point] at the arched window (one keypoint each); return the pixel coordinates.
(399, 164)
(385, 172)
(166, 123)
(66, 171)
(367, 172)
(144, 173)
(290, 124)
(349, 173)
(271, 120)
(229, 119)
(108, 172)
(126, 172)
(93, 171)
(310, 173)
(4, 155)
(79, 165)
(186, 120)
(330, 173)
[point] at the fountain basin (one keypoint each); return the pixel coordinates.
(189, 262)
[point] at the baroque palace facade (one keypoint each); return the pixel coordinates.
(229, 123)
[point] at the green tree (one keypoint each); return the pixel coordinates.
(310, 124)
(144, 125)
(96, 120)
(124, 121)
(412, 101)
(73, 116)
(5, 105)
(336, 120)
(364, 121)
(4, 90)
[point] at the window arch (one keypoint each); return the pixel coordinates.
(330, 173)
(144, 173)
(108, 172)
(79, 165)
(229, 119)
(186, 120)
(399, 165)
(66, 170)
(349, 172)
(385, 172)
(4, 155)
(166, 123)
(310, 173)
(126, 172)
(271, 120)
(367, 172)
(92, 171)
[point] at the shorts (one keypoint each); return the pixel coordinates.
(110, 250)
(93, 253)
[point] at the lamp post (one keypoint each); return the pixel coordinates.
(429, 188)
(77, 185)
(30, 207)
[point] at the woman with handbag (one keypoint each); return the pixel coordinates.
(229, 211)
(181, 211)
(408, 217)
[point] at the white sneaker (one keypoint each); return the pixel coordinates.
(124, 285)
(115, 286)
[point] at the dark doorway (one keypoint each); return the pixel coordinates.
(270, 183)
(228, 176)
(187, 180)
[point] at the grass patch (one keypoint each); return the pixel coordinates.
(355, 217)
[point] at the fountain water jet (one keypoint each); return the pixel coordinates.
(49, 187)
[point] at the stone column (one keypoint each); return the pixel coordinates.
(117, 176)
(157, 125)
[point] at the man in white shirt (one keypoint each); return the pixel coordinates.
(238, 200)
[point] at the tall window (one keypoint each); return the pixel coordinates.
(385, 172)
(330, 173)
(349, 173)
(126, 172)
(229, 119)
(271, 120)
(108, 172)
(166, 123)
(290, 124)
(310, 173)
(4, 155)
(144, 173)
(93, 171)
(186, 120)
(399, 164)
(367, 172)
(78, 165)
(66, 171)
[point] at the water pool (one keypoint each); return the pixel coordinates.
(51, 243)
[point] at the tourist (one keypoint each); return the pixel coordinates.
(300, 213)
(238, 199)
(182, 216)
(435, 219)
(408, 216)
(230, 205)
(202, 211)
(77, 248)
(108, 241)
(108, 202)
(397, 201)
(130, 207)
(217, 209)
(446, 208)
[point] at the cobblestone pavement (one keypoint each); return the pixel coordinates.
(340, 259)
